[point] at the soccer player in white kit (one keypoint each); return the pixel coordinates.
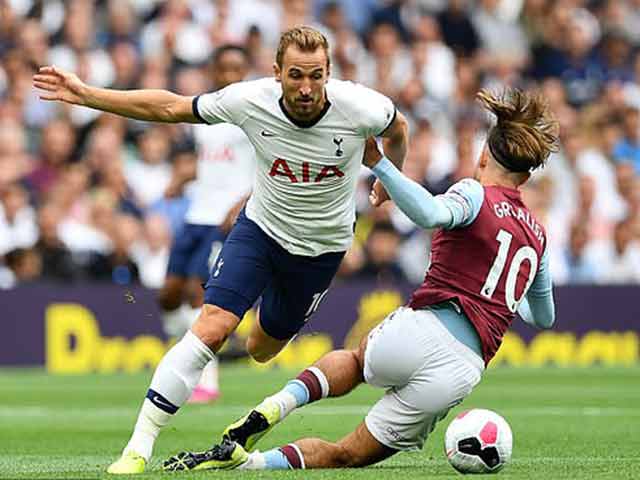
(222, 179)
(309, 135)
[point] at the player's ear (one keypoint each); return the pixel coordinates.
(484, 157)
(277, 72)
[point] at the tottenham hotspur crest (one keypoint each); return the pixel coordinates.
(338, 141)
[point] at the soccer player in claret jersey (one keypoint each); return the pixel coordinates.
(488, 261)
(309, 136)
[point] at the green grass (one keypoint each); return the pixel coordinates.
(567, 424)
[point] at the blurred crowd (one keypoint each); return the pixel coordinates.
(86, 196)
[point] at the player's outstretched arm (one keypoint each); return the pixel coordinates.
(150, 105)
(412, 199)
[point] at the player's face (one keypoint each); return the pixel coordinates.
(303, 76)
(231, 67)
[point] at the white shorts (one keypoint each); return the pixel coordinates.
(426, 371)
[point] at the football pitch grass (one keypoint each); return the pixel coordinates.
(567, 424)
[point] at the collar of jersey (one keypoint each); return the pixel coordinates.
(305, 123)
(508, 191)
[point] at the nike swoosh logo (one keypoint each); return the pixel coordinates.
(264, 133)
(157, 399)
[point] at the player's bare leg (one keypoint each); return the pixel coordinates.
(172, 383)
(261, 346)
(357, 449)
(335, 374)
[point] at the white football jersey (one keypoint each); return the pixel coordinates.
(306, 174)
(225, 172)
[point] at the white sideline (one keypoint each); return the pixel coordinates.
(13, 412)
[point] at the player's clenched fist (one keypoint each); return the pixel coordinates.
(56, 84)
(371, 153)
(371, 157)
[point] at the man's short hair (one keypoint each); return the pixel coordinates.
(306, 39)
(229, 47)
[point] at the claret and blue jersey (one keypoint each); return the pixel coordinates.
(488, 256)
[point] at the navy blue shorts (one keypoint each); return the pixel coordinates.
(252, 264)
(192, 251)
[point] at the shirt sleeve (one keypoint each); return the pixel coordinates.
(224, 106)
(464, 200)
(376, 111)
(538, 309)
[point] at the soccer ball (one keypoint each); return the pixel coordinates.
(478, 441)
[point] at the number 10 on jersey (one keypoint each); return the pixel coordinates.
(523, 253)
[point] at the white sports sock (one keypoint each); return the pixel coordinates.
(190, 314)
(172, 383)
(209, 378)
(150, 420)
(256, 461)
(173, 323)
(286, 402)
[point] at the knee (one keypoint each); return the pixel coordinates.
(359, 353)
(258, 352)
(214, 325)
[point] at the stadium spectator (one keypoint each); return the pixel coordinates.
(581, 266)
(15, 162)
(18, 227)
(111, 179)
(176, 201)
(57, 145)
(348, 50)
(502, 38)
(121, 25)
(433, 61)
(175, 35)
(57, 261)
(126, 63)
(380, 254)
(458, 31)
(151, 252)
(117, 266)
(386, 66)
(149, 174)
(620, 258)
(627, 150)
(24, 266)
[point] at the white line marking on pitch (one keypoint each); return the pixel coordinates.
(14, 412)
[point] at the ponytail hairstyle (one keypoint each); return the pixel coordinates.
(525, 133)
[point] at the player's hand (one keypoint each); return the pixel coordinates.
(371, 153)
(59, 85)
(378, 194)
